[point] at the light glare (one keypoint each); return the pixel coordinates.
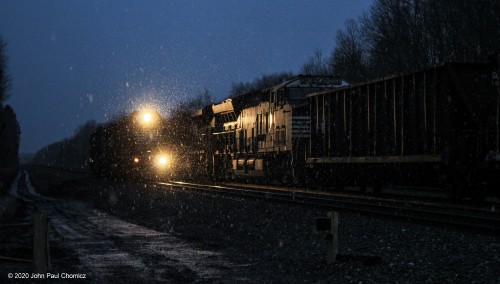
(163, 160)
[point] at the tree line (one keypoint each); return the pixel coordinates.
(396, 36)
(71, 152)
(10, 130)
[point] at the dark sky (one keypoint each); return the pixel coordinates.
(72, 61)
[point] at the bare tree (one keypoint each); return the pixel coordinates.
(70, 152)
(392, 30)
(404, 35)
(460, 30)
(349, 56)
(10, 131)
(265, 81)
(4, 77)
(317, 64)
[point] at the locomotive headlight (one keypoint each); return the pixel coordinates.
(162, 161)
(146, 118)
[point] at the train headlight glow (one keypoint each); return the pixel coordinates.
(162, 161)
(146, 118)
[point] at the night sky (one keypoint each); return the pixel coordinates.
(72, 61)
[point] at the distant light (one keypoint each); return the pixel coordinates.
(136, 160)
(147, 117)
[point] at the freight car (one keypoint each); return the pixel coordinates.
(262, 134)
(437, 126)
(133, 146)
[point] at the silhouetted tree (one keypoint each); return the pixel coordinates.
(265, 81)
(349, 57)
(9, 129)
(9, 137)
(461, 30)
(4, 77)
(393, 30)
(71, 152)
(410, 34)
(317, 64)
(202, 99)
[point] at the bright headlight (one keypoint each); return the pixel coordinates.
(147, 117)
(162, 161)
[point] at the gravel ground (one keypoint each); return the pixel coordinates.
(17, 242)
(275, 242)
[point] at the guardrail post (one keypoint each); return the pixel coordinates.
(330, 225)
(41, 258)
(332, 238)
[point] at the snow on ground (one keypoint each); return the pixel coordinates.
(109, 248)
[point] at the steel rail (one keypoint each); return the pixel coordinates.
(427, 212)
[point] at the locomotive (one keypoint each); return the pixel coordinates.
(133, 146)
(262, 134)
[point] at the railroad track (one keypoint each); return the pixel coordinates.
(487, 219)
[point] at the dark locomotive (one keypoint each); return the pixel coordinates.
(437, 126)
(261, 134)
(134, 146)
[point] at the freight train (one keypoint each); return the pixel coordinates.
(436, 126)
(433, 127)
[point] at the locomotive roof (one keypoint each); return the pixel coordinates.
(311, 81)
(253, 98)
